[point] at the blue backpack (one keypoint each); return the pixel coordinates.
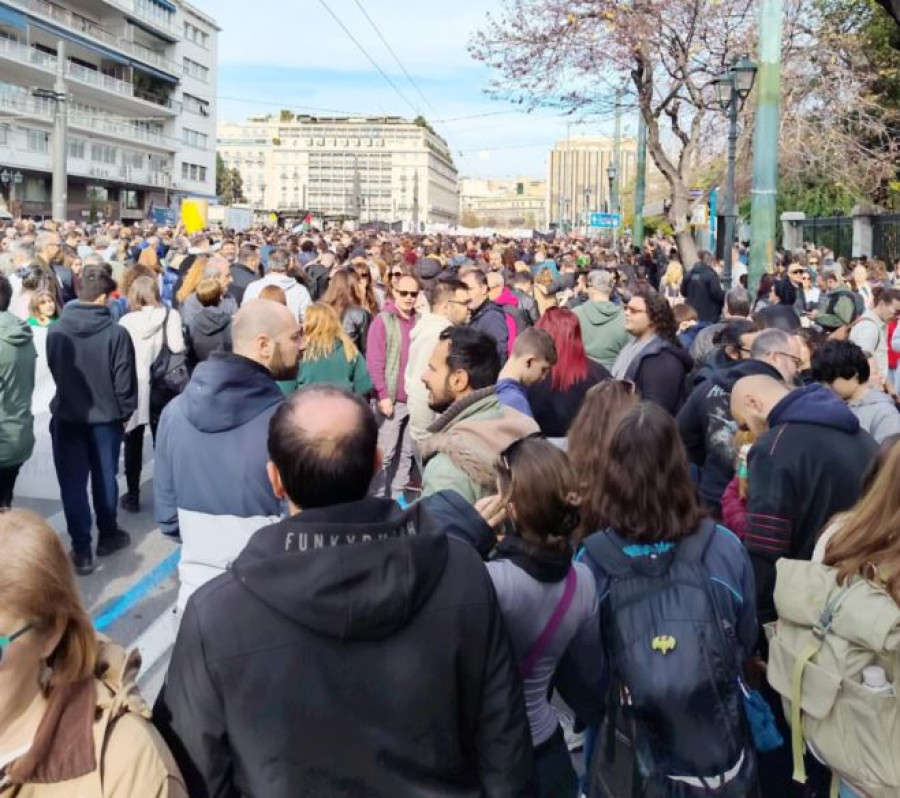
(674, 670)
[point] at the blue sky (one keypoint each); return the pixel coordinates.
(275, 55)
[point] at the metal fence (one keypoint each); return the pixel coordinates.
(834, 232)
(886, 237)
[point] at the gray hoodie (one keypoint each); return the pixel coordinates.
(877, 414)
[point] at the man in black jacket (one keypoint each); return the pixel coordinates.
(352, 649)
(244, 271)
(486, 316)
(806, 465)
(702, 289)
(93, 365)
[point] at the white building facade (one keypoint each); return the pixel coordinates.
(141, 84)
(519, 202)
(366, 169)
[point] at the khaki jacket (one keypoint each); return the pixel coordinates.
(96, 741)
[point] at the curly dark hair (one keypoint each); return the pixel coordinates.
(644, 488)
(840, 360)
(662, 318)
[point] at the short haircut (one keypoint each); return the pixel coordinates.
(209, 292)
(737, 302)
(495, 280)
(279, 260)
(685, 312)
(886, 296)
(5, 293)
(323, 470)
(601, 280)
(95, 282)
(522, 278)
(769, 341)
(247, 251)
(480, 276)
(445, 289)
(833, 273)
(144, 292)
(840, 360)
(45, 239)
(274, 294)
(533, 341)
(475, 353)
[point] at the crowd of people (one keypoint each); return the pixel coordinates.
(452, 509)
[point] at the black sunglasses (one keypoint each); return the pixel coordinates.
(5, 640)
(413, 294)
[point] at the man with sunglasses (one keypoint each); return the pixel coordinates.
(387, 357)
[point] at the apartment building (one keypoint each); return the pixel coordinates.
(519, 202)
(141, 84)
(579, 177)
(365, 169)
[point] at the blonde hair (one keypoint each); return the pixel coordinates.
(193, 278)
(274, 294)
(674, 274)
(149, 258)
(323, 330)
(37, 584)
(209, 292)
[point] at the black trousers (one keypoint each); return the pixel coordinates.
(8, 477)
(134, 456)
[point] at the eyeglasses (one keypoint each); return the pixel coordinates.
(412, 294)
(797, 360)
(7, 639)
(507, 454)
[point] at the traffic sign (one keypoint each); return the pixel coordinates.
(608, 221)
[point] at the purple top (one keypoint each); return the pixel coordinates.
(376, 352)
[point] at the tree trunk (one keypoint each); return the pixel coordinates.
(679, 218)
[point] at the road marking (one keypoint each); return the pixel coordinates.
(157, 639)
(137, 592)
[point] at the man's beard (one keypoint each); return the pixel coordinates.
(442, 403)
(279, 370)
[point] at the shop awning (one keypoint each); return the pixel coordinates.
(12, 18)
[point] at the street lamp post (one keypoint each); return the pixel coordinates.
(587, 211)
(732, 89)
(11, 180)
(566, 225)
(612, 173)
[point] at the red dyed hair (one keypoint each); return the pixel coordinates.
(571, 361)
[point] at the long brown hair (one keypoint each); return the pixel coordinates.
(341, 294)
(867, 542)
(643, 484)
(37, 584)
(589, 434)
(537, 480)
(192, 278)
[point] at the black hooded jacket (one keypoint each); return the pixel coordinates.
(703, 291)
(208, 332)
(660, 372)
(353, 650)
(805, 468)
(92, 362)
(706, 426)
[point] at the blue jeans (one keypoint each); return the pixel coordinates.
(80, 450)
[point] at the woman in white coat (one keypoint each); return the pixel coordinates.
(145, 325)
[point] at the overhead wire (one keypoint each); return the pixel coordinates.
(390, 49)
(365, 52)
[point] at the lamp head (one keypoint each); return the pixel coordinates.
(744, 73)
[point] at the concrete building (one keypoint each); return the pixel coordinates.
(366, 169)
(578, 181)
(519, 202)
(141, 83)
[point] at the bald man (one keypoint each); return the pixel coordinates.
(210, 483)
(353, 648)
(806, 465)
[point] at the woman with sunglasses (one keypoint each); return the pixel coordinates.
(549, 605)
(72, 722)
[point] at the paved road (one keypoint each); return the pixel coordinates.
(132, 593)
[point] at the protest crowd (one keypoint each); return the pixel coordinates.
(458, 516)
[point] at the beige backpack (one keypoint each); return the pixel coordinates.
(825, 635)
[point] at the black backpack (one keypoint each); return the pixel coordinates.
(169, 374)
(674, 669)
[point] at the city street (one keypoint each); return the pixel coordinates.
(131, 595)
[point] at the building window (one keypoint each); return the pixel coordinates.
(193, 171)
(37, 140)
(195, 105)
(103, 153)
(134, 159)
(195, 70)
(76, 148)
(129, 200)
(148, 8)
(202, 174)
(98, 193)
(194, 138)
(193, 34)
(4, 134)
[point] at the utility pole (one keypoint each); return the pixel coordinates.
(58, 95)
(617, 162)
(765, 144)
(640, 185)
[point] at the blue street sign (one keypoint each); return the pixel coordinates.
(605, 220)
(164, 216)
